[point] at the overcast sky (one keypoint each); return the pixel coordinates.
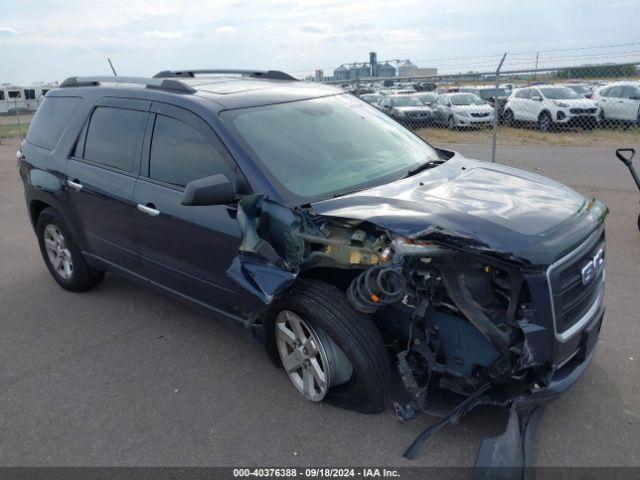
(52, 39)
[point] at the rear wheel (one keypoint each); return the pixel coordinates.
(329, 351)
(62, 255)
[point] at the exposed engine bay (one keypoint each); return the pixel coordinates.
(452, 319)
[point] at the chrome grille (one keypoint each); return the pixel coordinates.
(583, 110)
(572, 297)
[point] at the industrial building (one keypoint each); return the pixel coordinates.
(384, 69)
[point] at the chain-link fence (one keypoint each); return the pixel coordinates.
(16, 112)
(478, 113)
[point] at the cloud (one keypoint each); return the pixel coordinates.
(314, 27)
(226, 29)
(167, 35)
(7, 31)
(74, 36)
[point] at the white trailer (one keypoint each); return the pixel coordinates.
(22, 99)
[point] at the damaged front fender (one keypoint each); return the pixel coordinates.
(258, 268)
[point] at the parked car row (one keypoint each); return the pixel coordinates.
(543, 106)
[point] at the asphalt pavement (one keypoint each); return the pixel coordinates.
(121, 376)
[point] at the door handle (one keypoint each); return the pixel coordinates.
(149, 209)
(74, 184)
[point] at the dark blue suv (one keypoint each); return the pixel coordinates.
(330, 232)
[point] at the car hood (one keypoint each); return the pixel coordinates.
(578, 102)
(478, 206)
(423, 109)
(473, 108)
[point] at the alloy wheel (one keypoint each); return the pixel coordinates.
(58, 251)
(311, 359)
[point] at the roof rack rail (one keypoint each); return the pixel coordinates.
(269, 74)
(161, 84)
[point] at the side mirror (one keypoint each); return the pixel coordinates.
(214, 190)
(536, 98)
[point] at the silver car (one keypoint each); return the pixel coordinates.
(463, 110)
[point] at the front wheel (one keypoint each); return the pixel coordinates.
(509, 118)
(545, 123)
(329, 351)
(62, 255)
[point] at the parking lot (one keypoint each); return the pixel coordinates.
(123, 376)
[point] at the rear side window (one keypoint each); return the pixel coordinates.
(50, 119)
(114, 137)
(179, 153)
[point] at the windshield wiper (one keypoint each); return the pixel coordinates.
(348, 192)
(424, 166)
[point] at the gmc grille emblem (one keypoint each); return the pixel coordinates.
(592, 267)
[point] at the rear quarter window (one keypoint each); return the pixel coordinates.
(50, 120)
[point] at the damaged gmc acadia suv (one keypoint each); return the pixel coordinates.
(344, 242)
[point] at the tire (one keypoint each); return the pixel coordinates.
(451, 123)
(603, 118)
(80, 277)
(545, 122)
(509, 119)
(326, 310)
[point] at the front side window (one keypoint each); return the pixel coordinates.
(631, 92)
(319, 148)
(113, 137)
(523, 93)
(14, 94)
(180, 154)
(615, 92)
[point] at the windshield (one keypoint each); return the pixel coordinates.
(406, 101)
(559, 93)
(494, 92)
(428, 97)
(466, 99)
(315, 149)
(581, 89)
(371, 98)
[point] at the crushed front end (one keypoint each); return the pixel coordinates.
(494, 326)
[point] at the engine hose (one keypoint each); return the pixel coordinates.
(376, 287)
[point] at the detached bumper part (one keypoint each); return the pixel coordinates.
(510, 455)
